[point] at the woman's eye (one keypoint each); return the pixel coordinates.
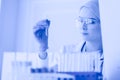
(93, 22)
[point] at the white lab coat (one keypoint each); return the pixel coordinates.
(71, 59)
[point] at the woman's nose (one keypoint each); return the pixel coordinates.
(84, 26)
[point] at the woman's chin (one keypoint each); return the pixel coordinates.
(85, 37)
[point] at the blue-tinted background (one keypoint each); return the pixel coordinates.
(17, 18)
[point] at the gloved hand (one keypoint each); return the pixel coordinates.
(41, 34)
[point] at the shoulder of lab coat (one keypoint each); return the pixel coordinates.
(54, 57)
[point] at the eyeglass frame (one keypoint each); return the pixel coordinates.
(88, 21)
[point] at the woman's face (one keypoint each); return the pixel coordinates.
(89, 25)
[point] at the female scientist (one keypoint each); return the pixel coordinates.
(90, 29)
(88, 55)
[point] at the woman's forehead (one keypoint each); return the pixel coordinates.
(87, 13)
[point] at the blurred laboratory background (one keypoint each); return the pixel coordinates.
(17, 18)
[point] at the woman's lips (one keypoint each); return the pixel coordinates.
(84, 33)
